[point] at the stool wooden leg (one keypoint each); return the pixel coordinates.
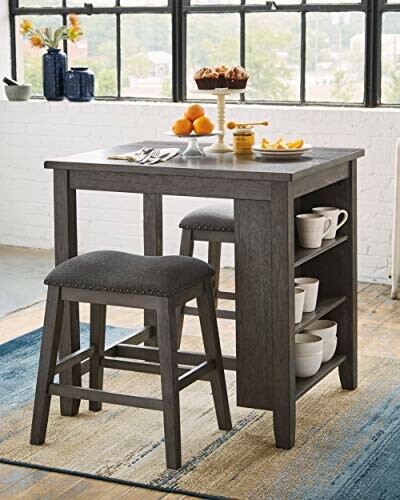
(97, 339)
(187, 247)
(214, 259)
(47, 364)
(166, 319)
(209, 328)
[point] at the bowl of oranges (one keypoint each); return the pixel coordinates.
(192, 126)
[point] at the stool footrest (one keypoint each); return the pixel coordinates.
(221, 313)
(74, 358)
(74, 392)
(137, 366)
(196, 373)
(226, 295)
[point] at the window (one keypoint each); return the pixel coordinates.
(344, 52)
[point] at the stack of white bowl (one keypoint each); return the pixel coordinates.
(327, 331)
(308, 354)
(314, 346)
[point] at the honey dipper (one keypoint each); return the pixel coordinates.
(232, 125)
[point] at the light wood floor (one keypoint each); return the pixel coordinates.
(378, 334)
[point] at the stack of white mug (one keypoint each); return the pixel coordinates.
(321, 224)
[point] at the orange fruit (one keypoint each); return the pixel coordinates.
(182, 127)
(203, 126)
(193, 112)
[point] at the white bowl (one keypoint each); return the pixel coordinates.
(307, 344)
(329, 349)
(324, 328)
(308, 365)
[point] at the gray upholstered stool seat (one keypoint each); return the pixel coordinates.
(127, 273)
(213, 217)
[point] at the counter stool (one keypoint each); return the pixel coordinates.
(157, 283)
(215, 224)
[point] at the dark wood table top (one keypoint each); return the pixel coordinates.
(226, 165)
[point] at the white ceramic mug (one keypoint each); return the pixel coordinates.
(311, 229)
(299, 296)
(333, 214)
(310, 286)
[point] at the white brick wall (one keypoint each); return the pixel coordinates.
(34, 131)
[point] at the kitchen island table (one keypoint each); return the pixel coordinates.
(267, 195)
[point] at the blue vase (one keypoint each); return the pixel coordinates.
(79, 84)
(54, 68)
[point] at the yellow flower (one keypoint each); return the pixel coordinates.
(74, 33)
(36, 41)
(26, 26)
(73, 19)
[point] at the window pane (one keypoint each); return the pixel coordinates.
(273, 55)
(144, 3)
(213, 39)
(146, 55)
(335, 57)
(391, 58)
(215, 2)
(29, 60)
(40, 3)
(97, 49)
(332, 1)
(95, 3)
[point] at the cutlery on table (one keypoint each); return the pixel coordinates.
(155, 153)
(145, 152)
(163, 157)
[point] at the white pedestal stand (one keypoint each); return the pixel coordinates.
(220, 146)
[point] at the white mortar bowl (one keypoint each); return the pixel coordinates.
(308, 365)
(18, 92)
(324, 328)
(306, 343)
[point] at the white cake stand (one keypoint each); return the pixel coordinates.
(220, 146)
(193, 149)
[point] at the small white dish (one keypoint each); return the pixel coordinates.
(308, 365)
(282, 154)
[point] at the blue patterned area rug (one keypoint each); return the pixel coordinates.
(348, 443)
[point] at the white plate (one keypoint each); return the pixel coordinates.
(194, 136)
(282, 153)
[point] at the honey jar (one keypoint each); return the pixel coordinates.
(243, 139)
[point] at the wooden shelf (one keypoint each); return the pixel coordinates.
(303, 255)
(303, 385)
(324, 306)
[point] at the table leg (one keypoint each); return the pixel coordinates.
(153, 245)
(348, 370)
(264, 253)
(66, 247)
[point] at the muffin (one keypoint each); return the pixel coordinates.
(236, 77)
(221, 70)
(206, 78)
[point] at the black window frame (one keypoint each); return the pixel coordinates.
(181, 9)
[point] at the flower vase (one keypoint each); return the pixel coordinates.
(79, 84)
(54, 69)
